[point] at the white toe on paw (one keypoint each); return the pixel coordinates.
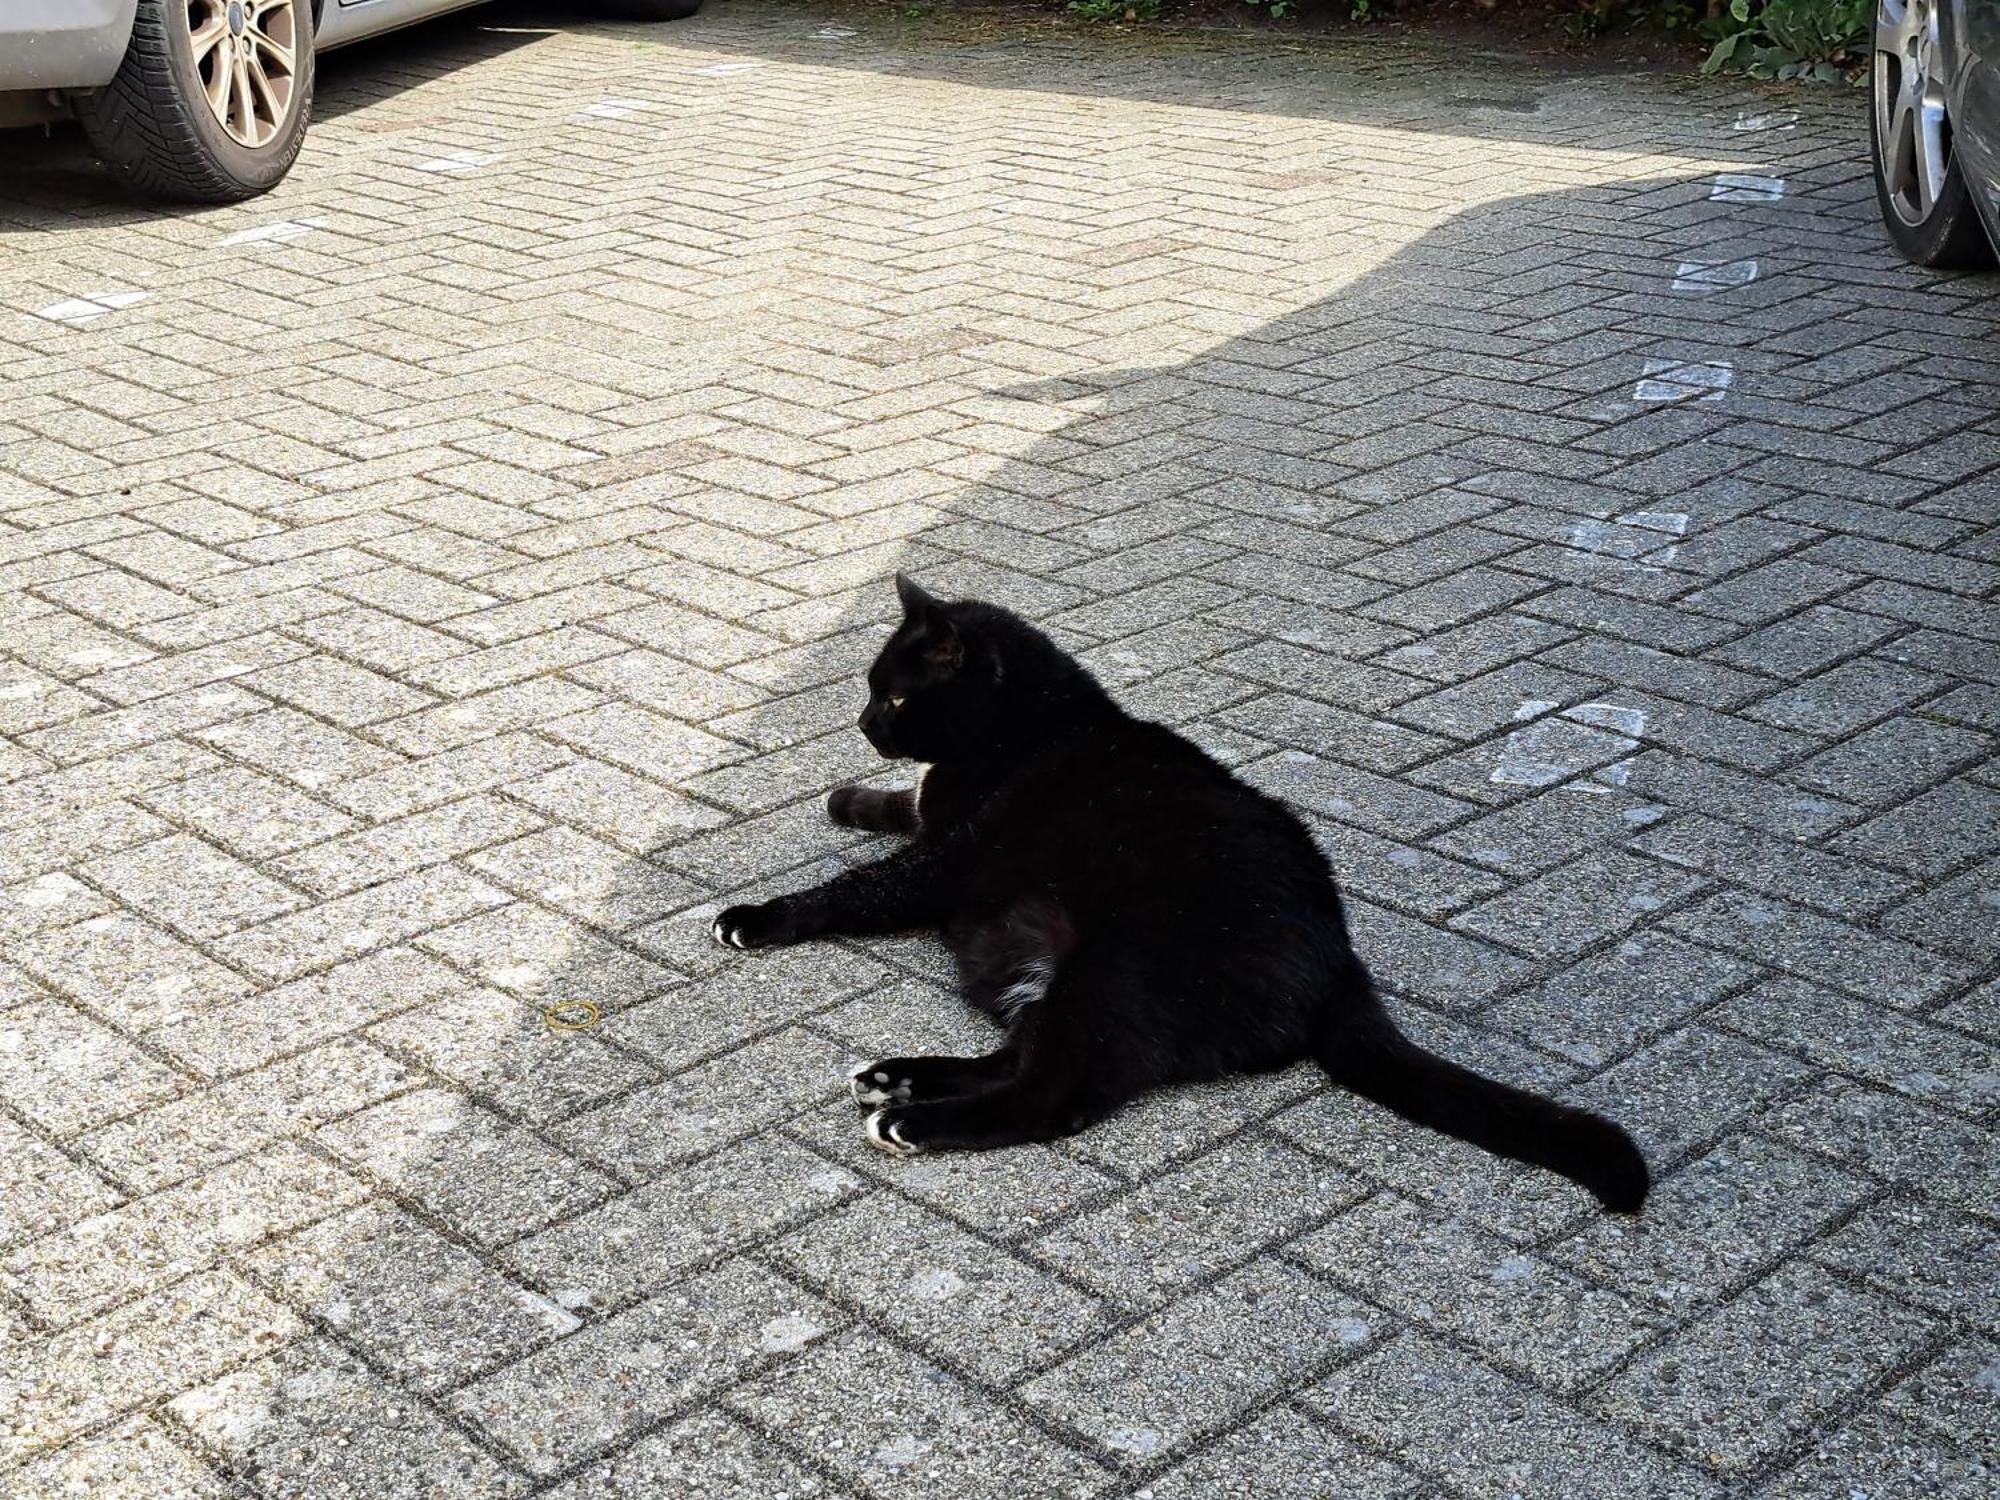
(873, 1086)
(884, 1136)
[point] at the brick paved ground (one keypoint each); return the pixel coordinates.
(1549, 480)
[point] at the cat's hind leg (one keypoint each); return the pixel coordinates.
(1071, 1071)
(903, 1080)
(875, 812)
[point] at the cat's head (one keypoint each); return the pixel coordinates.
(919, 696)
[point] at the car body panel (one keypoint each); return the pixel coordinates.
(63, 44)
(344, 21)
(1975, 105)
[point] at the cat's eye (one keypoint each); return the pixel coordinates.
(894, 702)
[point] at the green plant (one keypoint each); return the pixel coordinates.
(1276, 9)
(1817, 39)
(1117, 10)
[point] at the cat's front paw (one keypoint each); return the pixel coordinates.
(888, 1130)
(760, 924)
(879, 1083)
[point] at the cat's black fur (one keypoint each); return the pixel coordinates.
(1134, 914)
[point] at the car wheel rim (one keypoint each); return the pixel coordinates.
(246, 61)
(1912, 124)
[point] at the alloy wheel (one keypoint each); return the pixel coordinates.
(1912, 122)
(246, 57)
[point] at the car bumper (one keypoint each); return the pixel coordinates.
(62, 44)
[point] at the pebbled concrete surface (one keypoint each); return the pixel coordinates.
(446, 579)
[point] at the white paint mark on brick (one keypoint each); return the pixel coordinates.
(728, 70)
(1746, 187)
(936, 1285)
(833, 33)
(1672, 380)
(1673, 522)
(558, 1319)
(1609, 538)
(1533, 708)
(458, 161)
(788, 1334)
(88, 308)
(284, 229)
(1140, 1442)
(1555, 749)
(1713, 275)
(619, 109)
(1750, 123)
(1613, 716)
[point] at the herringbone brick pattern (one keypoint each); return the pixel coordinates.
(425, 592)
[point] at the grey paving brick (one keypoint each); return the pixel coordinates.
(41, 1189)
(1196, 1220)
(489, 1180)
(886, 1447)
(1876, 1454)
(1579, 905)
(192, 886)
(249, 814)
(1777, 867)
(1882, 1045)
(169, 1341)
(312, 1420)
(1954, 1395)
(1892, 760)
(619, 1375)
(163, 1144)
(421, 1307)
(254, 1029)
(501, 1049)
(1283, 1452)
(705, 1457)
(1932, 833)
(1960, 917)
(1923, 1254)
(1715, 1223)
(691, 1114)
(1684, 781)
(342, 865)
(1337, 791)
(132, 1461)
(1257, 1330)
(1518, 1309)
(961, 1300)
(1846, 698)
(351, 926)
(1796, 1345)
(149, 1241)
(1598, 1008)
(1491, 1436)
(65, 1072)
(1815, 947)
(633, 1245)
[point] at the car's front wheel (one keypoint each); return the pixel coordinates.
(1926, 205)
(211, 102)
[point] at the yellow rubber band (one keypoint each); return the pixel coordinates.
(564, 1016)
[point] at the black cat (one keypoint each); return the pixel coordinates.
(1133, 913)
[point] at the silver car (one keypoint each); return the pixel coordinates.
(205, 101)
(1935, 123)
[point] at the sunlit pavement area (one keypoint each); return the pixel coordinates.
(426, 591)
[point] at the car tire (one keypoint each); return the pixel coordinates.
(1920, 185)
(211, 102)
(648, 10)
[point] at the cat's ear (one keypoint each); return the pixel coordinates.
(944, 647)
(915, 600)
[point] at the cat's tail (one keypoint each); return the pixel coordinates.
(1364, 1051)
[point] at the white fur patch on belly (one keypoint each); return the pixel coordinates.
(1029, 986)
